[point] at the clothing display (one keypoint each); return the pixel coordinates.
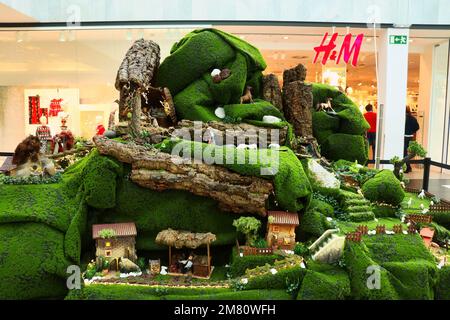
(55, 107)
(44, 134)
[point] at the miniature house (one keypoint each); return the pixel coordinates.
(427, 236)
(120, 245)
(281, 229)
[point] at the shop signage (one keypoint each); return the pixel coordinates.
(398, 39)
(346, 51)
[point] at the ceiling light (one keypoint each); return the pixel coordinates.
(285, 37)
(359, 84)
(411, 40)
(242, 37)
(369, 39)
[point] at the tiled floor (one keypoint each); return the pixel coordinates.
(439, 183)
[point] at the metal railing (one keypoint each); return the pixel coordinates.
(427, 163)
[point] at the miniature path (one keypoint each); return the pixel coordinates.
(153, 285)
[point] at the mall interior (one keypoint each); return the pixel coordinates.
(71, 67)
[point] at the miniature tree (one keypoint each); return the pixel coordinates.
(414, 149)
(249, 226)
(107, 233)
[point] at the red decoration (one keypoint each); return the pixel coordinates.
(35, 112)
(55, 107)
(100, 130)
(330, 54)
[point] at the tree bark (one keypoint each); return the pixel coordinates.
(160, 171)
(297, 103)
(228, 133)
(272, 91)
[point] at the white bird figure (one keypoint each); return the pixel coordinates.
(405, 232)
(422, 206)
(424, 211)
(441, 263)
(431, 203)
(360, 192)
(421, 194)
(273, 271)
(302, 265)
(163, 270)
(376, 220)
(329, 219)
(403, 184)
(409, 202)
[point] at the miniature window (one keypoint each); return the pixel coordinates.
(107, 244)
(275, 229)
(108, 253)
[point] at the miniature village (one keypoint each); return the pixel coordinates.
(212, 181)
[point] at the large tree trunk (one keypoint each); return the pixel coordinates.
(157, 170)
(272, 91)
(136, 113)
(297, 101)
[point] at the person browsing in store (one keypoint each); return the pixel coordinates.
(411, 127)
(371, 118)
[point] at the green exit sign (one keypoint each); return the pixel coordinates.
(398, 39)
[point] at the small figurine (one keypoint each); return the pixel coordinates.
(247, 97)
(326, 107)
(44, 135)
(421, 194)
(100, 129)
(186, 264)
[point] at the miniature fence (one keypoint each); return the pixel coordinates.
(419, 218)
(353, 236)
(253, 251)
(442, 206)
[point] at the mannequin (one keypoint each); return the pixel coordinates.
(44, 134)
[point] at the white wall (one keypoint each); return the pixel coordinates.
(426, 64)
(11, 111)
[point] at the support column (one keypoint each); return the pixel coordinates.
(392, 85)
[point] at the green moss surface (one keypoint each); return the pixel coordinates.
(408, 270)
(345, 146)
(292, 187)
(120, 292)
(341, 136)
(239, 264)
(324, 282)
(443, 285)
(384, 187)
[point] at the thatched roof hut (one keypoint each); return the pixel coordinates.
(181, 238)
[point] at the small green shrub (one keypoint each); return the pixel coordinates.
(384, 187)
(107, 233)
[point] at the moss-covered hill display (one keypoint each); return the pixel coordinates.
(45, 228)
(341, 135)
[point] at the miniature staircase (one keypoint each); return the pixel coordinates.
(356, 207)
(328, 248)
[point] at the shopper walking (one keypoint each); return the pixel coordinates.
(411, 127)
(371, 118)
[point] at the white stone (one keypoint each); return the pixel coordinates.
(405, 232)
(329, 219)
(323, 177)
(271, 119)
(215, 72)
(220, 112)
(273, 271)
(274, 146)
(244, 280)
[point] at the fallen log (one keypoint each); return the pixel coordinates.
(228, 133)
(160, 171)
